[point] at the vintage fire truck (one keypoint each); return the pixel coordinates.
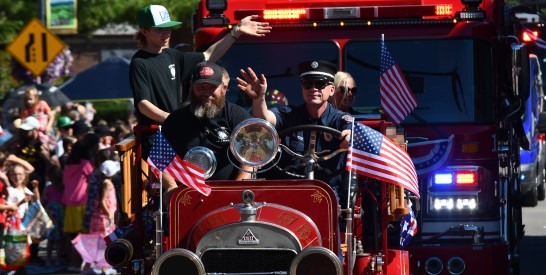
(469, 72)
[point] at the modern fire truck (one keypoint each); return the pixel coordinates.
(469, 72)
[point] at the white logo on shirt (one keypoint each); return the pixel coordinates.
(173, 71)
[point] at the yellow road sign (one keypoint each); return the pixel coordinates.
(35, 47)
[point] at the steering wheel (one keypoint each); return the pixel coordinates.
(310, 158)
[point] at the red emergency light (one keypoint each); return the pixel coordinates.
(527, 37)
(360, 12)
(284, 14)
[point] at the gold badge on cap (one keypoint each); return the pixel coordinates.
(314, 64)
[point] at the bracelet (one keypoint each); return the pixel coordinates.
(235, 32)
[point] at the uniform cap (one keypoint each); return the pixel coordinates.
(207, 72)
(317, 69)
(155, 16)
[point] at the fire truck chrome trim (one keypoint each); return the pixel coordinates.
(187, 259)
(202, 157)
(305, 259)
(434, 266)
(456, 266)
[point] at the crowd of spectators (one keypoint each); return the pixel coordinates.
(63, 157)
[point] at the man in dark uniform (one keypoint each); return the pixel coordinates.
(207, 121)
(317, 86)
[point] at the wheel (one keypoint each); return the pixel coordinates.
(541, 190)
(531, 198)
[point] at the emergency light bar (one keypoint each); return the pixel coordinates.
(440, 11)
(465, 178)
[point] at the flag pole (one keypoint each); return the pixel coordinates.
(349, 211)
(159, 215)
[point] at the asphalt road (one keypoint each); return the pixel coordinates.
(533, 245)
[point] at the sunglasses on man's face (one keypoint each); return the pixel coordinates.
(319, 84)
(345, 89)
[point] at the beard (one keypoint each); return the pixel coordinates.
(208, 110)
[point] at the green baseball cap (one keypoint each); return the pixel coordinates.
(64, 121)
(155, 16)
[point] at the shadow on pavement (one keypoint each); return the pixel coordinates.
(532, 249)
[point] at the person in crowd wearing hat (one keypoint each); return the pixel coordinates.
(208, 120)
(159, 76)
(157, 71)
(345, 94)
(317, 87)
(64, 129)
(105, 134)
(102, 214)
(33, 146)
(80, 128)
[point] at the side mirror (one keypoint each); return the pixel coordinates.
(541, 127)
(520, 71)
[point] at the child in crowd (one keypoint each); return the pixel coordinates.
(33, 106)
(55, 209)
(102, 218)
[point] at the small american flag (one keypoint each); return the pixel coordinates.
(539, 42)
(408, 227)
(373, 155)
(397, 99)
(164, 158)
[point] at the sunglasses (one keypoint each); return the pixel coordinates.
(346, 89)
(319, 84)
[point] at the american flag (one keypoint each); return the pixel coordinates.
(397, 99)
(537, 40)
(373, 155)
(164, 158)
(408, 227)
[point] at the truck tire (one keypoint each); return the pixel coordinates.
(540, 189)
(531, 198)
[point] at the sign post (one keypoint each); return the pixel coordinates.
(35, 47)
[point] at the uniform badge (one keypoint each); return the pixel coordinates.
(314, 64)
(348, 118)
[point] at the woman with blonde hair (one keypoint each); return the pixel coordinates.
(345, 94)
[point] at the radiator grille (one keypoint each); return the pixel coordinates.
(245, 261)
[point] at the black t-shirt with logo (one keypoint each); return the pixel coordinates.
(184, 131)
(162, 79)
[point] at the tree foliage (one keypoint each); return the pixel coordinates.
(92, 15)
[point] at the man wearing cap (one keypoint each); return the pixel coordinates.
(157, 71)
(208, 121)
(159, 76)
(317, 78)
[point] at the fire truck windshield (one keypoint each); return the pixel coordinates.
(452, 79)
(278, 62)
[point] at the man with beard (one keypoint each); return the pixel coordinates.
(208, 120)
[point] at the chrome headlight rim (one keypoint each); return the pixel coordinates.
(272, 142)
(202, 152)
